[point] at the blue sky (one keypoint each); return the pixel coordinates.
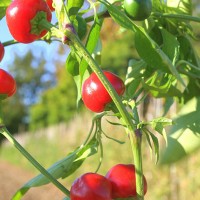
(37, 47)
(5, 35)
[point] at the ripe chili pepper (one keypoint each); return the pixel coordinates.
(94, 94)
(19, 18)
(7, 84)
(91, 186)
(123, 181)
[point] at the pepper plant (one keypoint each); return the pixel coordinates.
(168, 67)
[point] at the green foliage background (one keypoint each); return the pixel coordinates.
(56, 104)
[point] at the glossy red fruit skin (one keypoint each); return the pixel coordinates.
(123, 181)
(91, 186)
(19, 15)
(49, 3)
(94, 94)
(2, 51)
(7, 84)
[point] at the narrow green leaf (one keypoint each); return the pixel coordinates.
(163, 120)
(115, 123)
(80, 26)
(72, 64)
(62, 168)
(160, 129)
(155, 58)
(78, 81)
(73, 7)
(20, 194)
(170, 45)
(156, 146)
(151, 137)
(158, 125)
(111, 138)
(91, 43)
(149, 143)
(133, 76)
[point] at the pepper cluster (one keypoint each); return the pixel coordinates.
(119, 182)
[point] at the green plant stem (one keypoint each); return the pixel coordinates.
(135, 140)
(12, 140)
(103, 14)
(98, 71)
(10, 42)
(177, 16)
(137, 153)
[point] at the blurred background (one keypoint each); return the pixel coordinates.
(44, 119)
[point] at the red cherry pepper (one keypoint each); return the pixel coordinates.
(91, 186)
(7, 84)
(94, 94)
(123, 181)
(19, 15)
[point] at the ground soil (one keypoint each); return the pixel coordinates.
(13, 177)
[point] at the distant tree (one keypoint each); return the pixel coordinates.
(57, 104)
(32, 78)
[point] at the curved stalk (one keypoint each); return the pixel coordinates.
(177, 16)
